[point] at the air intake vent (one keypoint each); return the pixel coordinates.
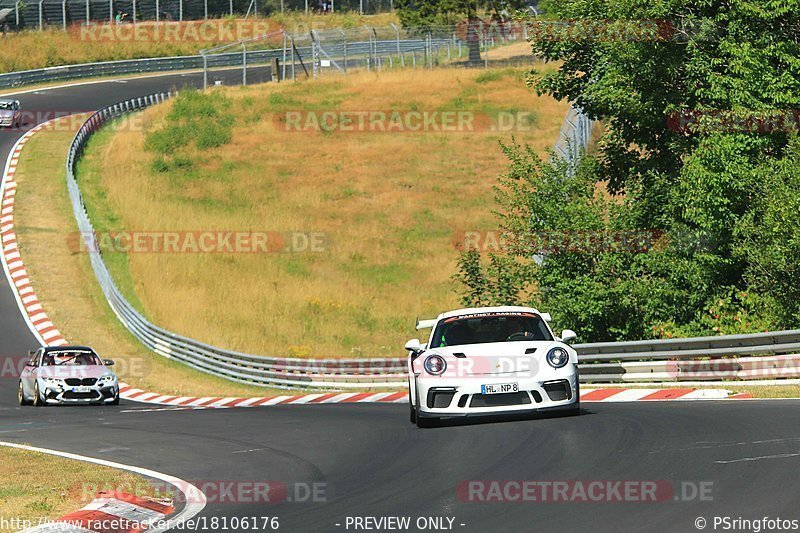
(460, 355)
(530, 350)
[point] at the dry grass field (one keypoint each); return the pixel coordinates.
(36, 486)
(387, 203)
(32, 49)
(67, 287)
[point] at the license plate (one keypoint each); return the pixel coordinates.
(500, 388)
(80, 389)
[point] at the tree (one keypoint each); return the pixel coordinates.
(429, 14)
(694, 149)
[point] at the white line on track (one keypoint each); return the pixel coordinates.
(747, 459)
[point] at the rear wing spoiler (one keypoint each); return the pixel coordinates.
(425, 324)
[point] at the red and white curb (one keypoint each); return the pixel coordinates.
(587, 395)
(139, 395)
(39, 323)
(116, 512)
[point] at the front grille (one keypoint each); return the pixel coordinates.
(500, 400)
(558, 390)
(91, 395)
(78, 382)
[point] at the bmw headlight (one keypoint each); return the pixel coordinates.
(107, 380)
(557, 357)
(435, 364)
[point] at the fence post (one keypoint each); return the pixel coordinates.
(111, 11)
(158, 9)
(180, 10)
(63, 14)
(134, 11)
(231, 5)
(87, 12)
(41, 18)
(205, 9)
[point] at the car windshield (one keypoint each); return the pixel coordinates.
(70, 358)
(5, 105)
(490, 327)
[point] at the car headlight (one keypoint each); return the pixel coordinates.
(435, 364)
(56, 382)
(557, 357)
(107, 379)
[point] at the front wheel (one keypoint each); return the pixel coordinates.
(115, 401)
(37, 398)
(21, 395)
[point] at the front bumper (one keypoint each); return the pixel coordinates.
(448, 398)
(95, 394)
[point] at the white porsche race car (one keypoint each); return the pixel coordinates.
(489, 361)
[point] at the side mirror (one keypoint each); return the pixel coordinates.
(414, 346)
(30, 365)
(568, 336)
(108, 362)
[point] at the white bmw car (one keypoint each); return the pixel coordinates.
(63, 375)
(489, 361)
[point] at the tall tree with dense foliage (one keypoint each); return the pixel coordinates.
(699, 145)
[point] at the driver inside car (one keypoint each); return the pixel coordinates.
(515, 330)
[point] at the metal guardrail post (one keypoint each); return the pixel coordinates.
(64, 15)
(41, 16)
(244, 64)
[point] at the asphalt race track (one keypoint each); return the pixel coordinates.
(369, 461)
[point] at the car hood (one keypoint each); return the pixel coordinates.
(73, 371)
(5, 113)
(495, 358)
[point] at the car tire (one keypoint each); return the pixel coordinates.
(575, 410)
(21, 395)
(37, 398)
(115, 401)
(413, 416)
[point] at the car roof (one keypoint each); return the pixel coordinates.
(49, 349)
(497, 309)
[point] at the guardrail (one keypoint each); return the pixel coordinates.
(691, 359)
(170, 64)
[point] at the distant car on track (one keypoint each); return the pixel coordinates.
(490, 361)
(68, 375)
(10, 113)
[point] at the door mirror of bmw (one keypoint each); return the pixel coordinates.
(414, 346)
(29, 364)
(108, 362)
(568, 336)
